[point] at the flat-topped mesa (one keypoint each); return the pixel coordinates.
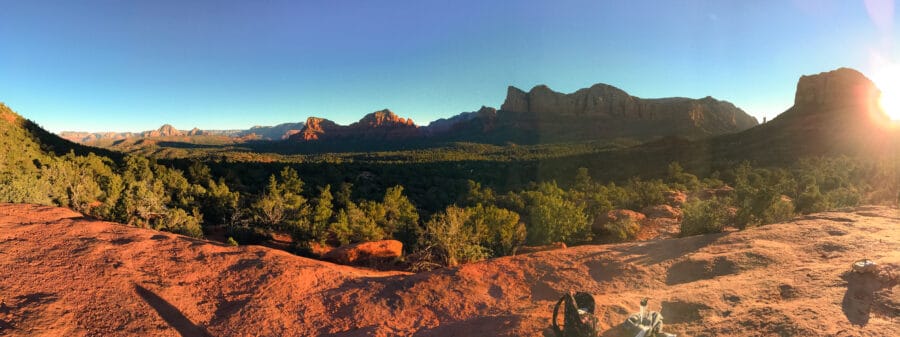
(603, 105)
(599, 99)
(838, 88)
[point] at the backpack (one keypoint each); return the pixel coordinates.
(578, 316)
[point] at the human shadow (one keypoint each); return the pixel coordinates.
(859, 297)
(171, 314)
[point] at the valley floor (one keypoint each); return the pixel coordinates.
(65, 275)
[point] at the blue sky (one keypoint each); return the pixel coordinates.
(129, 65)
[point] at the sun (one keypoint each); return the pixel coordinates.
(888, 80)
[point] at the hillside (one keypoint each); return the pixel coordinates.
(62, 274)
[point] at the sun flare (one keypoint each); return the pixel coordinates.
(888, 80)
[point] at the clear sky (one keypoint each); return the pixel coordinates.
(96, 65)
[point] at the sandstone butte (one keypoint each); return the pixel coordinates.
(65, 275)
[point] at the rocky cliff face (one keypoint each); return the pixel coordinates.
(834, 113)
(842, 99)
(601, 112)
(843, 87)
(379, 125)
(602, 101)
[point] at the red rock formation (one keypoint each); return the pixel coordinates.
(602, 102)
(195, 132)
(675, 198)
(164, 131)
(379, 125)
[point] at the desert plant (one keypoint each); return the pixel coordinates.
(622, 229)
(703, 217)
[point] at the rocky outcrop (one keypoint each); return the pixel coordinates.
(195, 132)
(838, 88)
(164, 131)
(315, 127)
(379, 125)
(675, 198)
(601, 112)
(605, 102)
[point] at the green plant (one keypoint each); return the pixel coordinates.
(231, 242)
(622, 229)
(703, 217)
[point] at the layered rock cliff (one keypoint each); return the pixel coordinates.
(602, 104)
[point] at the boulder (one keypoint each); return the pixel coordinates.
(365, 252)
(662, 211)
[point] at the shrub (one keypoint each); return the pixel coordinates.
(780, 210)
(552, 218)
(703, 217)
(451, 239)
(231, 242)
(623, 229)
(247, 235)
(645, 193)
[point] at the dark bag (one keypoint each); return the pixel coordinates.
(578, 316)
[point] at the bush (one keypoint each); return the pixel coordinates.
(780, 210)
(645, 193)
(703, 217)
(247, 235)
(623, 229)
(451, 239)
(553, 218)
(231, 242)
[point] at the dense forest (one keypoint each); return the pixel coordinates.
(449, 205)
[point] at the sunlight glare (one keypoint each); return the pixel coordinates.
(888, 80)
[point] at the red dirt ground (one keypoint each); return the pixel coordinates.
(65, 275)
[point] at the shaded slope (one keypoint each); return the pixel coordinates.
(65, 275)
(20, 131)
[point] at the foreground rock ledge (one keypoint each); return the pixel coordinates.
(64, 275)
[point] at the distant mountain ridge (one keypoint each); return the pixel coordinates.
(277, 132)
(541, 115)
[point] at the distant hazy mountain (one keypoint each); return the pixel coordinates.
(277, 132)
